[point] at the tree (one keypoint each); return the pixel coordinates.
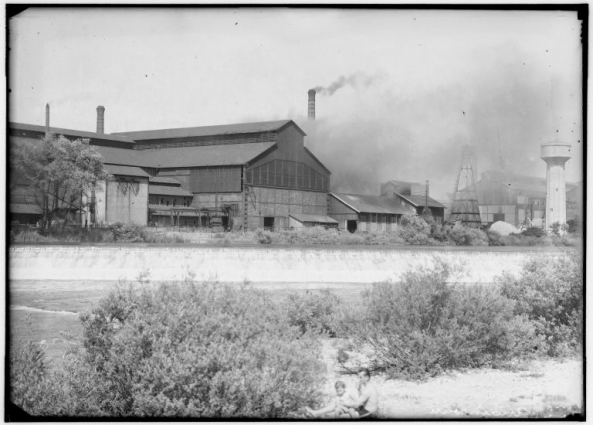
(59, 171)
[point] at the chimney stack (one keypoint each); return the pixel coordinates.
(46, 119)
(312, 105)
(100, 119)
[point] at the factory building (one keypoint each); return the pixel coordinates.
(413, 197)
(365, 212)
(249, 175)
(512, 198)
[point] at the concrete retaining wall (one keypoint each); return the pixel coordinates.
(255, 264)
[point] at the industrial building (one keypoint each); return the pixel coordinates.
(365, 212)
(249, 175)
(413, 197)
(512, 198)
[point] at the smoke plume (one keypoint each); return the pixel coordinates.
(356, 80)
(390, 131)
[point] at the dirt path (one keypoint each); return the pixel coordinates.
(476, 393)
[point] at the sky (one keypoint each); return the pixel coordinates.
(400, 92)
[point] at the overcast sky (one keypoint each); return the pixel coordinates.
(418, 85)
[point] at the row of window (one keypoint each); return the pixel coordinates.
(282, 173)
(378, 218)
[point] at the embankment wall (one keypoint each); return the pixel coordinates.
(257, 264)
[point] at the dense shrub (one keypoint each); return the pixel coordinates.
(536, 232)
(467, 236)
(263, 236)
(128, 232)
(316, 311)
(550, 293)
(414, 230)
(200, 351)
(424, 325)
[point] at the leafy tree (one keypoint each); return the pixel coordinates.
(59, 171)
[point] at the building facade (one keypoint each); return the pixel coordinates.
(255, 174)
(365, 213)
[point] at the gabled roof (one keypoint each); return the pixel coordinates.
(420, 201)
(122, 170)
(204, 156)
(131, 157)
(309, 218)
(69, 132)
(167, 191)
(162, 180)
(371, 204)
(212, 130)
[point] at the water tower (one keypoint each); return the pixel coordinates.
(555, 154)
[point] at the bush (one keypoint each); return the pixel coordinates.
(313, 311)
(536, 232)
(128, 233)
(467, 236)
(414, 230)
(550, 293)
(199, 351)
(263, 236)
(425, 325)
(496, 239)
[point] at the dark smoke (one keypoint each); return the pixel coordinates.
(389, 131)
(355, 80)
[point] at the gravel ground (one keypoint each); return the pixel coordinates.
(479, 393)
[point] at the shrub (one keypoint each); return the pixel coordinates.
(467, 236)
(536, 232)
(550, 293)
(128, 233)
(263, 236)
(414, 230)
(425, 325)
(313, 311)
(200, 351)
(496, 239)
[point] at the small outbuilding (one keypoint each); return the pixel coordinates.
(298, 221)
(365, 212)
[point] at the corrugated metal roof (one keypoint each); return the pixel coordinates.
(212, 130)
(165, 180)
(420, 201)
(123, 170)
(130, 157)
(194, 156)
(24, 209)
(308, 218)
(204, 156)
(69, 132)
(371, 204)
(167, 190)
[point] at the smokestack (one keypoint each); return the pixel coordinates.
(312, 105)
(46, 119)
(100, 119)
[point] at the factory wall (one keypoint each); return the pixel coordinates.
(181, 175)
(269, 207)
(342, 213)
(121, 204)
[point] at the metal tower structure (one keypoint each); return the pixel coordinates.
(465, 207)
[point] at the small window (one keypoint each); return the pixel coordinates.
(167, 202)
(162, 202)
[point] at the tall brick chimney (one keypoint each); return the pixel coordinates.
(312, 105)
(46, 119)
(100, 119)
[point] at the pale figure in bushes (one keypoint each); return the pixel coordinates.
(336, 409)
(367, 404)
(364, 407)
